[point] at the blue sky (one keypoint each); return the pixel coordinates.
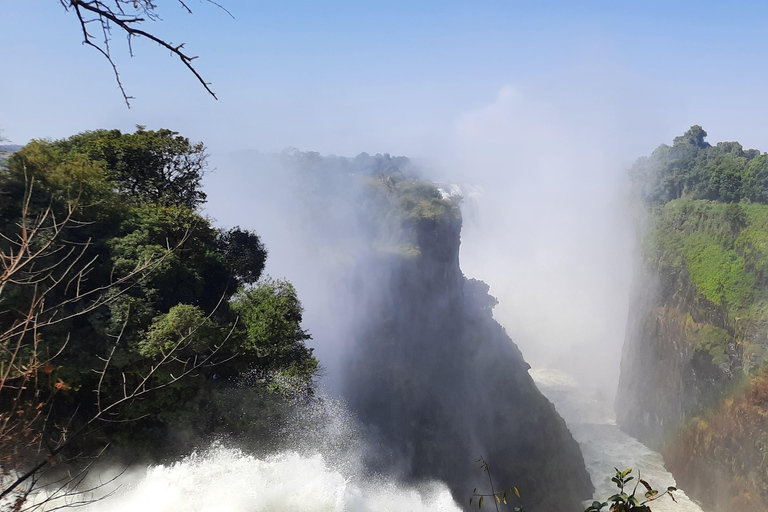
(543, 105)
(344, 77)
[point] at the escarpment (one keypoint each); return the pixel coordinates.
(693, 370)
(438, 379)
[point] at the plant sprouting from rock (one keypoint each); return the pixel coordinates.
(499, 497)
(623, 502)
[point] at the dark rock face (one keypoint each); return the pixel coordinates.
(442, 384)
(664, 380)
(675, 398)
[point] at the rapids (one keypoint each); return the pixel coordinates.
(223, 479)
(227, 480)
(604, 446)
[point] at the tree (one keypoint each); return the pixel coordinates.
(44, 282)
(151, 166)
(128, 17)
(116, 319)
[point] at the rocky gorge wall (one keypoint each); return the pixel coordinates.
(441, 383)
(693, 383)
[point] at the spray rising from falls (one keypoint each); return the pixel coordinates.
(403, 335)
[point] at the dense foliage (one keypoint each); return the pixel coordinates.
(693, 168)
(706, 242)
(173, 291)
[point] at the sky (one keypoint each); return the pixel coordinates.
(541, 106)
(396, 76)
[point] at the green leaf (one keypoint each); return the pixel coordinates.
(480, 503)
(671, 489)
(646, 484)
(504, 497)
(517, 493)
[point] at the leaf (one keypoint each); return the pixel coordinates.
(504, 497)
(474, 491)
(626, 472)
(628, 479)
(470, 502)
(48, 368)
(517, 493)
(670, 489)
(634, 501)
(498, 500)
(480, 503)
(646, 484)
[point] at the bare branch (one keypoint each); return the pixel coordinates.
(128, 15)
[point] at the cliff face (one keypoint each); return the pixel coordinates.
(433, 378)
(693, 383)
(441, 383)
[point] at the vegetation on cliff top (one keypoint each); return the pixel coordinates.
(113, 281)
(707, 240)
(709, 229)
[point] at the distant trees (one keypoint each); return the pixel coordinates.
(125, 315)
(693, 168)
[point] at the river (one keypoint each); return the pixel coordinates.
(593, 424)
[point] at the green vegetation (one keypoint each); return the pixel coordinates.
(722, 247)
(693, 168)
(623, 501)
(125, 315)
(709, 229)
(707, 240)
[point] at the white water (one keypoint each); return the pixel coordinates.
(228, 480)
(593, 425)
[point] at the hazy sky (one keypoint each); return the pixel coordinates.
(349, 76)
(541, 105)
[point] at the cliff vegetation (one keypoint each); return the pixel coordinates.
(693, 367)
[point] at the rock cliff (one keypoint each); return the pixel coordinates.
(693, 371)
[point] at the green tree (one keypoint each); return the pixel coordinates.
(156, 166)
(270, 314)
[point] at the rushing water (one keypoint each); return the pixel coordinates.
(604, 445)
(228, 480)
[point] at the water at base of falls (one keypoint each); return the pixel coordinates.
(604, 445)
(228, 480)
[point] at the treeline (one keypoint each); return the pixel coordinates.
(693, 168)
(126, 316)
